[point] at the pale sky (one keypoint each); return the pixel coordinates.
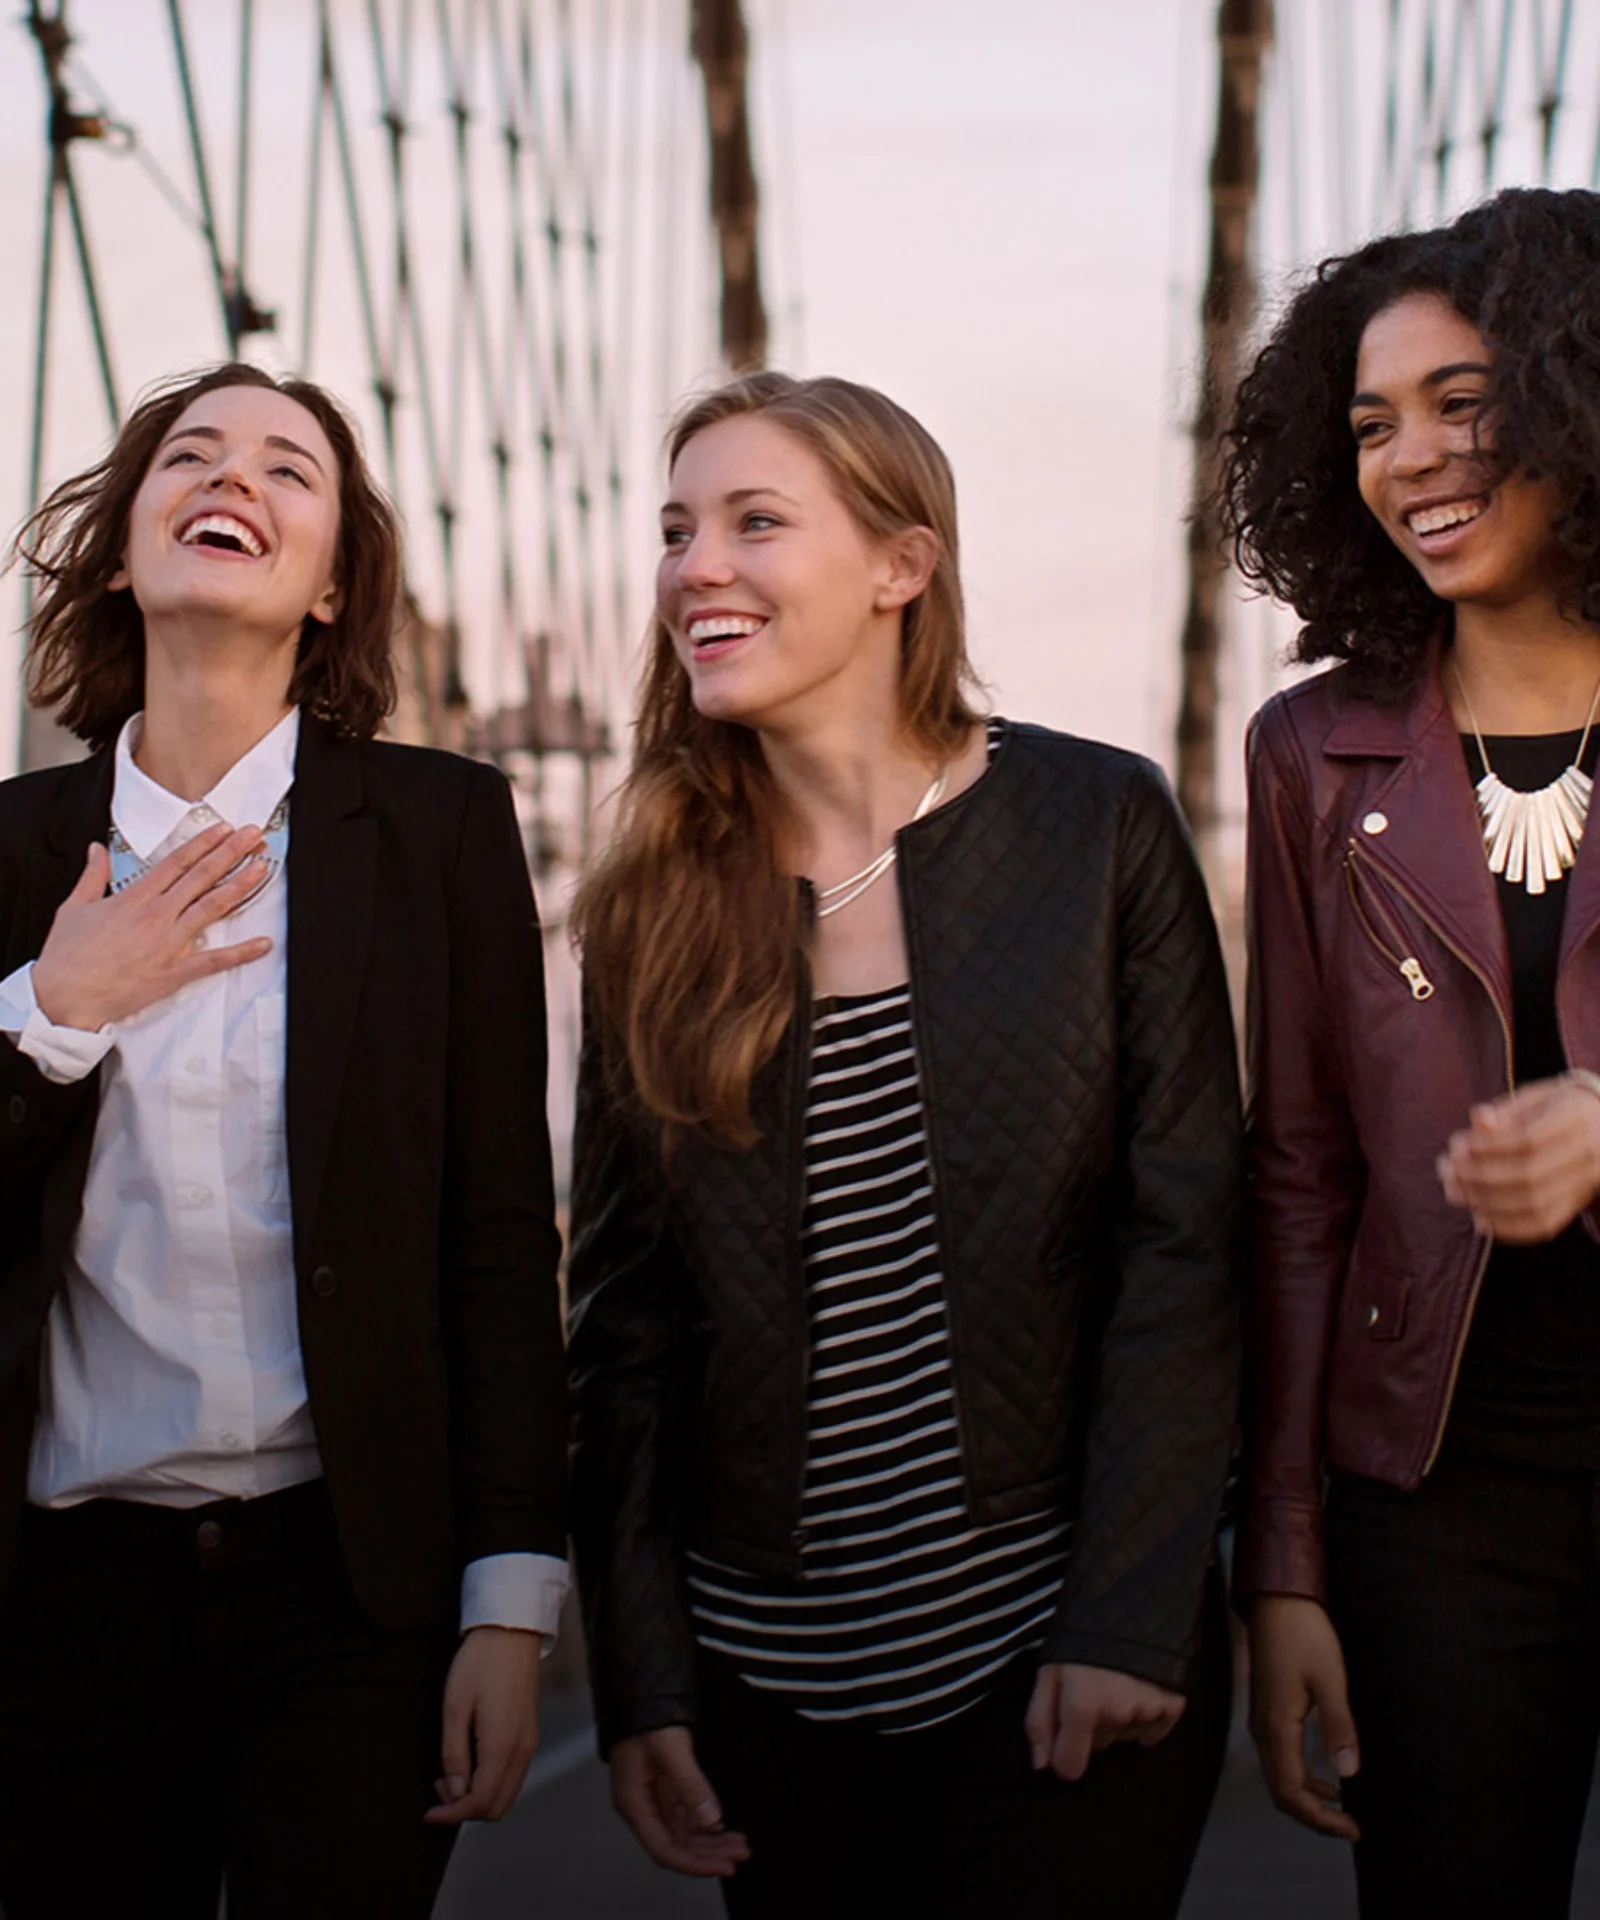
(995, 213)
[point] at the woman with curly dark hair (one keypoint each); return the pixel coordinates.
(1414, 465)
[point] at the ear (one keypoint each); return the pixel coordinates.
(325, 608)
(909, 561)
(121, 580)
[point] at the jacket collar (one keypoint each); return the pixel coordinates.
(83, 806)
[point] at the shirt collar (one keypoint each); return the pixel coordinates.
(147, 816)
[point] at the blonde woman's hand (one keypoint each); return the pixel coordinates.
(1528, 1164)
(1297, 1669)
(109, 956)
(658, 1788)
(1076, 1711)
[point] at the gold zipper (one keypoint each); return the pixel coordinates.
(1408, 966)
(1356, 851)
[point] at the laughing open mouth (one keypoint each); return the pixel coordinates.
(221, 530)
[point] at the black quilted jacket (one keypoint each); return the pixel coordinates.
(1077, 1065)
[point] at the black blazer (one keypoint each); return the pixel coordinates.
(425, 1248)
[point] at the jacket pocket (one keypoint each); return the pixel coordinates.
(1381, 928)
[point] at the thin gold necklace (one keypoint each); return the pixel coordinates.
(1532, 837)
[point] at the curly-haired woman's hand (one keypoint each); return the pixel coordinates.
(1297, 1669)
(1527, 1164)
(109, 956)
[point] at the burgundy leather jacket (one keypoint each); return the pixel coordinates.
(1380, 1011)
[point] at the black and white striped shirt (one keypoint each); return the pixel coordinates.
(905, 1611)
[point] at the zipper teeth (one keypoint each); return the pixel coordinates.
(1357, 853)
(1406, 965)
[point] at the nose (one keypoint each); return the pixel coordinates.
(1418, 447)
(705, 561)
(231, 477)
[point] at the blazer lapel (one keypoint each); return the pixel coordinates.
(332, 873)
(82, 815)
(1430, 841)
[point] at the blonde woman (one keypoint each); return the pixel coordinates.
(904, 1300)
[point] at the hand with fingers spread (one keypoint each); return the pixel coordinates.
(491, 1725)
(658, 1788)
(1076, 1711)
(1527, 1164)
(109, 956)
(1297, 1669)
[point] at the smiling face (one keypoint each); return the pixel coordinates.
(777, 602)
(1422, 379)
(237, 517)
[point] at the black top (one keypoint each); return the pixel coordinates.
(1529, 1389)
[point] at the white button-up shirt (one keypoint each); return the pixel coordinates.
(172, 1368)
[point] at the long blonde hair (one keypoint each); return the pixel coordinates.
(689, 927)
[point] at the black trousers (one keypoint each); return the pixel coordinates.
(953, 1823)
(1469, 1612)
(192, 1697)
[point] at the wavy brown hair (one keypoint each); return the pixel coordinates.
(690, 928)
(1524, 268)
(86, 643)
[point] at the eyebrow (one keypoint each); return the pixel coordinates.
(1434, 379)
(735, 497)
(272, 440)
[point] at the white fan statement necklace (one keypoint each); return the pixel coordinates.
(1533, 837)
(831, 899)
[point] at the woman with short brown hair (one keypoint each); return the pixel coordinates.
(280, 1393)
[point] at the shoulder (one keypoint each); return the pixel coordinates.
(31, 803)
(1074, 769)
(390, 766)
(1303, 715)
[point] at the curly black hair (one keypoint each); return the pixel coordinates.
(1524, 268)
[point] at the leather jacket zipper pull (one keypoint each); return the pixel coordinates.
(1411, 972)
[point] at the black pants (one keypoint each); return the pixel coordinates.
(1469, 1613)
(188, 1696)
(953, 1823)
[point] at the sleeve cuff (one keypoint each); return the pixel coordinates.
(521, 1590)
(62, 1054)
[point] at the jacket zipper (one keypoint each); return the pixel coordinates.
(1356, 853)
(1407, 965)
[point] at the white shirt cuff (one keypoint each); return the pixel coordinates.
(521, 1590)
(63, 1054)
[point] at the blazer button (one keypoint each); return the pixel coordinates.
(16, 1109)
(324, 1283)
(1375, 823)
(1373, 1316)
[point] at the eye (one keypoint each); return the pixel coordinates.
(180, 454)
(294, 473)
(1461, 405)
(674, 536)
(1368, 429)
(760, 522)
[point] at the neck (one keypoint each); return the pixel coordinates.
(206, 708)
(850, 781)
(1527, 669)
